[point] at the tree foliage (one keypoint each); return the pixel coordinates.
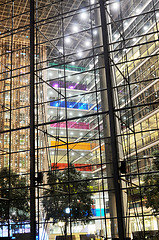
(13, 203)
(65, 193)
(151, 184)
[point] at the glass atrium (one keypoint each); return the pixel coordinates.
(79, 110)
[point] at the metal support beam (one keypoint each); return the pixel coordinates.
(32, 127)
(112, 123)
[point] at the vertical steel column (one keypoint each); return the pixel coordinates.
(32, 127)
(112, 122)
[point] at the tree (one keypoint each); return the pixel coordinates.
(67, 198)
(151, 185)
(13, 203)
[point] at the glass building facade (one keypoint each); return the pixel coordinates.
(79, 92)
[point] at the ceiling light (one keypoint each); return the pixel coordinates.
(82, 154)
(87, 43)
(134, 39)
(67, 40)
(51, 111)
(91, 66)
(61, 50)
(71, 133)
(61, 132)
(75, 28)
(61, 113)
(145, 27)
(125, 24)
(138, 10)
(79, 54)
(115, 6)
(78, 77)
(49, 93)
(92, 1)
(95, 32)
(73, 63)
(50, 74)
(52, 132)
(83, 15)
(72, 154)
(157, 14)
(70, 113)
(81, 134)
(80, 114)
(116, 36)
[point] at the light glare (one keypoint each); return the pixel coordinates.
(67, 40)
(75, 28)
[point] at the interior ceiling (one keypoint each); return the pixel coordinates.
(48, 30)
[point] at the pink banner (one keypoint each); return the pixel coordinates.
(77, 125)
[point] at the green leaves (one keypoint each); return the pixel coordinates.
(151, 184)
(68, 188)
(13, 197)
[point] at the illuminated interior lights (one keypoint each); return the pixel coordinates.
(95, 32)
(61, 50)
(116, 36)
(75, 28)
(50, 74)
(115, 6)
(145, 27)
(138, 10)
(92, 1)
(67, 40)
(79, 54)
(87, 43)
(83, 15)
